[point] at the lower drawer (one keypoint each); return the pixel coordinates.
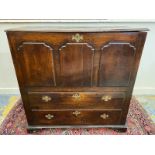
(76, 117)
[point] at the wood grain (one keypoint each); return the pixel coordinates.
(52, 64)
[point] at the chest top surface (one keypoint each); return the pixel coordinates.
(79, 28)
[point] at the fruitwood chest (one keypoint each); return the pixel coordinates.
(79, 77)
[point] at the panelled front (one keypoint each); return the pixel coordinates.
(75, 65)
(116, 63)
(50, 65)
(36, 62)
(64, 60)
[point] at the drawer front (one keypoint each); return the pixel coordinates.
(76, 100)
(76, 117)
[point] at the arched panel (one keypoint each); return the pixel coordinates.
(36, 61)
(76, 64)
(115, 65)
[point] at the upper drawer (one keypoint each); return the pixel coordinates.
(73, 100)
(73, 59)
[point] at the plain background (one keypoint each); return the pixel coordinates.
(139, 10)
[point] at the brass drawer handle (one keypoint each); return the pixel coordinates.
(49, 116)
(104, 116)
(76, 96)
(76, 113)
(46, 98)
(77, 37)
(106, 98)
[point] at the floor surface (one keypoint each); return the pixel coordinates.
(6, 104)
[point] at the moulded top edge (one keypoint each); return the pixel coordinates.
(78, 29)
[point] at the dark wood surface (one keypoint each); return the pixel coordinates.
(72, 69)
(57, 65)
(85, 117)
(66, 100)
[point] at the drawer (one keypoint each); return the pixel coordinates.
(76, 117)
(76, 100)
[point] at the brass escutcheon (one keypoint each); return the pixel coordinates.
(77, 37)
(49, 116)
(76, 96)
(76, 113)
(46, 98)
(104, 116)
(106, 98)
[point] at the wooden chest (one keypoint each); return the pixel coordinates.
(79, 77)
